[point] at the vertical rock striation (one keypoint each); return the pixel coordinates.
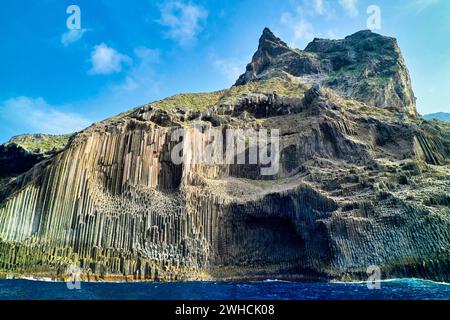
(362, 180)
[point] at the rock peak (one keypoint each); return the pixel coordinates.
(267, 32)
(268, 35)
(364, 66)
(269, 41)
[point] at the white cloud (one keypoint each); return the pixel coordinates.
(331, 34)
(302, 30)
(140, 85)
(72, 36)
(350, 7)
(39, 117)
(34, 115)
(106, 60)
(315, 8)
(185, 21)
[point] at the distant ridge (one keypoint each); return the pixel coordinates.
(443, 116)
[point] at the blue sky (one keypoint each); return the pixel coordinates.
(127, 53)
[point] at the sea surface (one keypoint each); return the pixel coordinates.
(404, 289)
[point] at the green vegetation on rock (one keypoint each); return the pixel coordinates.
(40, 143)
(202, 101)
(283, 87)
(360, 181)
(192, 101)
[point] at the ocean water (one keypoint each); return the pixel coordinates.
(405, 289)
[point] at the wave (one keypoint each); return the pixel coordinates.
(397, 280)
(29, 278)
(400, 280)
(422, 280)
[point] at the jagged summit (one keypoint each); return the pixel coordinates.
(324, 45)
(269, 41)
(267, 34)
(356, 185)
(365, 66)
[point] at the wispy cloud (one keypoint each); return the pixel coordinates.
(350, 7)
(72, 36)
(35, 115)
(183, 20)
(142, 74)
(231, 69)
(106, 60)
(24, 114)
(319, 6)
(301, 29)
(139, 85)
(420, 5)
(314, 8)
(331, 34)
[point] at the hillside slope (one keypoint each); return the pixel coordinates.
(442, 116)
(21, 153)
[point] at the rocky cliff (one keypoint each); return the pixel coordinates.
(364, 66)
(362, 180)
(23, 152)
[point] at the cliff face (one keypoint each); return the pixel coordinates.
(23, 152)
(362, 181)
(364, 66)
(442, 116)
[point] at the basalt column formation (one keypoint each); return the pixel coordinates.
(362, 180)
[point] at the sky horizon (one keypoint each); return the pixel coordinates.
(64, 70)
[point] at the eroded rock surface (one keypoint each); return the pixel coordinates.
(362, 181)
(365, 66)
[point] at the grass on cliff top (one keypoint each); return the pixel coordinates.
(439, 124)
(40, 143)
(288, 88)
(203, 101)
(192, 101)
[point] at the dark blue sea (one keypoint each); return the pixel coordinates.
(408, 289)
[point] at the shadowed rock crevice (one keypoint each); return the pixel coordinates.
(362, 180)
(365, 66)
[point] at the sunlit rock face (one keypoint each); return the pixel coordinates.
(362, 180)
(365, 66)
